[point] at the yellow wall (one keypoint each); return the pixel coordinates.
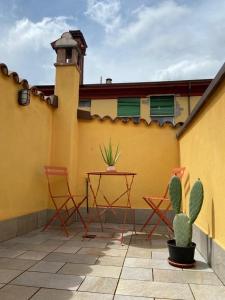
(193, 101)
(25, 137)
(151, 151)
(202, 151)
(106, 107)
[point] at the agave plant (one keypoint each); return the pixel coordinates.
(107, 154)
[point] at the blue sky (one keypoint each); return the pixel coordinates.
(128, 40)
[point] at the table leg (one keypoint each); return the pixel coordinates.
(95, 198)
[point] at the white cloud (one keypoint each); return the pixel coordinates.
(187, 69)
(105, 13)
(165, 40)
(25, 47)
(160, 40)
(151, 20)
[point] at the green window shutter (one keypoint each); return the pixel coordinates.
(128, 107)
(162, 105)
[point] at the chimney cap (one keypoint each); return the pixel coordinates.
(108, 80)
(66, 41)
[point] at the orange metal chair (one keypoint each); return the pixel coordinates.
(64, 202)
(155, 203)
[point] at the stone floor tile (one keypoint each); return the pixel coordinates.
(211, 292)
(115, 252)
(35, 240)
(47, 246)
(101, 252)
(136, 273)
(75, 243)
(67, 249)
(10, 292)
(117, 245)
(138, 252)
(47, 267)
(100, 234)
(16, 264)
(99, 285)
(154, 289)
(160, 255)
(120, 297)
(91, 270)
(147, 263)
(33, 255)
(53, 294)
(60, 236)
(92, 243)
(10, 253)
(71, 258)
(200, 266)
(92, 296)
(50, 294)
(8, 275)
(91, 251)
(49, 280)
(186, 277)
(110, 261)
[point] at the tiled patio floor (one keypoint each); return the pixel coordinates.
(50, 266)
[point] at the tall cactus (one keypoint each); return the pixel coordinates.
(182, 224)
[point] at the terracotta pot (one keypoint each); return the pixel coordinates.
(111, 168)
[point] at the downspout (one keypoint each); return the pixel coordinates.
(189, 98)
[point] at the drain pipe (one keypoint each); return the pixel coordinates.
(189, 98)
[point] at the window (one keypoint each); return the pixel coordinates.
(128, 107)
(85, 103)
(162, 106)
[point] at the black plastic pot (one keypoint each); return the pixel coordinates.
(181, 256)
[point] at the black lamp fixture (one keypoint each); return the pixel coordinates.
(24, 97)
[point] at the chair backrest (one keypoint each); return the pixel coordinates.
(57, 180)
(179, 172)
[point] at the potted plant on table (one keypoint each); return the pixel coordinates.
(109, 158)
(181, 250)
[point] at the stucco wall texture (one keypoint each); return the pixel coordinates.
(202, 151)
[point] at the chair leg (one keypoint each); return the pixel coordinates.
(147, 221)
(55, 216)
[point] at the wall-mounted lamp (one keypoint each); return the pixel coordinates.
(24, 97)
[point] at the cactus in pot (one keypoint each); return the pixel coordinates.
(182, 224)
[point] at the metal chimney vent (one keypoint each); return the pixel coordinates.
(108, 80)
